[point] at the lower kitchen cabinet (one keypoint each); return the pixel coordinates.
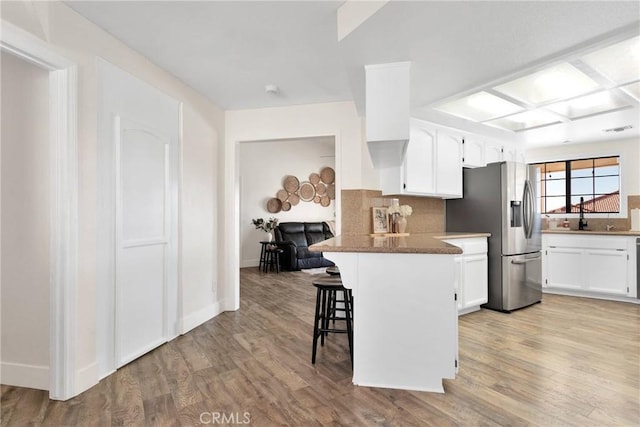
(564, 267)
(471, 273)
(593, 264)
(606, 271)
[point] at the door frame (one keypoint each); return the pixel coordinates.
(63, 213)
(231, 222)
(106, 348)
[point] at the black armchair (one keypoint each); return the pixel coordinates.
(295, 238)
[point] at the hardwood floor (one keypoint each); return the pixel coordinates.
(568, 361)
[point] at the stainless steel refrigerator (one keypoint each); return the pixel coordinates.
(501, 199)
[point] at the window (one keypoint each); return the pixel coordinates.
(561, 185)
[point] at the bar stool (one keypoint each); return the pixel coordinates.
(327, 287)
(333, 270)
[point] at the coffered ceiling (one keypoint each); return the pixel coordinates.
(230, 50)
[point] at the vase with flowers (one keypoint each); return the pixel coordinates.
(399, 216)
(267, 226)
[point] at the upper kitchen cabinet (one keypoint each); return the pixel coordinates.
(478, 152)
(432, 165)
(473, 152)
(494, 153)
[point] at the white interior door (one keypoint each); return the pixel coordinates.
(142, 236)
(137, 290)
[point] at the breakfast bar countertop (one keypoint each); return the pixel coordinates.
(417, 243)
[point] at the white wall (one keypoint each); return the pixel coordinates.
(263, 165)
(70, 35)
(24, 286)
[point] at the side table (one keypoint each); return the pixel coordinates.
(269, 257)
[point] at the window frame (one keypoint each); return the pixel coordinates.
(567, 160)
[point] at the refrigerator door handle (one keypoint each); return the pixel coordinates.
(513, 261)
(526, 210)
(532, 208)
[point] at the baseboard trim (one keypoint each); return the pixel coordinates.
(594, 295)
(196, 319)
(86, 378)
(249, 263)
(21, 375)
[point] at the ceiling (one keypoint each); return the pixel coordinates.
(229, 51)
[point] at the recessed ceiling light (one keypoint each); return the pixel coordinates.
(561, 81)
(479, 107)
(620, 62)
(524, 121)
(633, 89)
(618, 129)
(272, 89)
(596, 103)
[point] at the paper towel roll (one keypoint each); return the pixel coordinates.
(635, 219)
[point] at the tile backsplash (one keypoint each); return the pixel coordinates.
(600, 224)
(427, 216)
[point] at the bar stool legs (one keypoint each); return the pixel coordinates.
(326, 311)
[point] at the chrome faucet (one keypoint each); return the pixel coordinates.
(582, 223)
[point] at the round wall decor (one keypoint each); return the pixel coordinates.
(321, 189)
(274, 205)
(307, 191)
(282, 195)
(331, 191)
(291, 183)
(324, 201)
(294, 199)
(328, 175)
(314, 178)
(286, 206)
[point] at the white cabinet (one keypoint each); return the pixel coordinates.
(419, 177)
(564, 268)
(432, 165)
(448, 166)
(590, 264)
(471, 273)
(494, 153)
(472, 152)
(606, 270)
(478, 152)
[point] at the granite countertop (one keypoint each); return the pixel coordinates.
(417, 243)
(597, 232)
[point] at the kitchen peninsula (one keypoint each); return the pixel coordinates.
(405, 315)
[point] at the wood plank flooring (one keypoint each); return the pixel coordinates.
(566, 362)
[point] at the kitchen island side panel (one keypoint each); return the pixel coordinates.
(405, 318)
